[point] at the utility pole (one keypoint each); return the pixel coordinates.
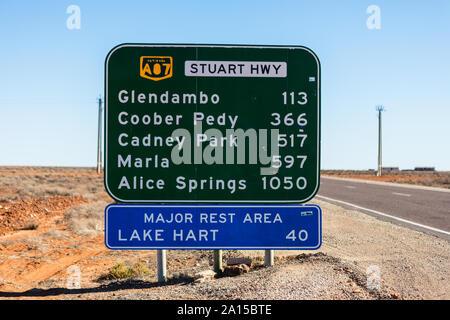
(99, 147)
(380, 109)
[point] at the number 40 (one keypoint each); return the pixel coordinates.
(302, 235)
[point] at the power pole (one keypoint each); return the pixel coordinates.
(99, 146)
(380, 109)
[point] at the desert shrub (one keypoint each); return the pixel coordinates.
(121, 271)
(53, 234)
(86, 219)
(35, 243)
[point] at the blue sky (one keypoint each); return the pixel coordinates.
(51, 76)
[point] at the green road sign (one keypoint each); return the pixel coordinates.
(212, 123)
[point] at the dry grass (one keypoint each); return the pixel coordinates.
(26, 184)
(35, 243)
(54, 234)
(86, 219)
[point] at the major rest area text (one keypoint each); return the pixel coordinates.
(186, 218)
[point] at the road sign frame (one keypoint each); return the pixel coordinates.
(317, 182)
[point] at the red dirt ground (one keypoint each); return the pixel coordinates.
(16, 215)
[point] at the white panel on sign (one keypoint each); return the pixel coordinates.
(250, 69)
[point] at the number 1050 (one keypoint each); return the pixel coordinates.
(288, 183)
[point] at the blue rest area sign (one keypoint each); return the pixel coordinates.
(129, 226)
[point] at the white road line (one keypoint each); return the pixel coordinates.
(392, 184)
(401, 194)
(350, 187)
(386, 215)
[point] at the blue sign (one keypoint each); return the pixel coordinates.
(213, 227)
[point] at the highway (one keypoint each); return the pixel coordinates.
(420, 208)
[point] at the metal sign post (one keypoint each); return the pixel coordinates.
(269, 258)
(218, 268)
(162, 265)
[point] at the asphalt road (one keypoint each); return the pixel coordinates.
(423, 209)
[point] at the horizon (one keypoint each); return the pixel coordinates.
(321, 169)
